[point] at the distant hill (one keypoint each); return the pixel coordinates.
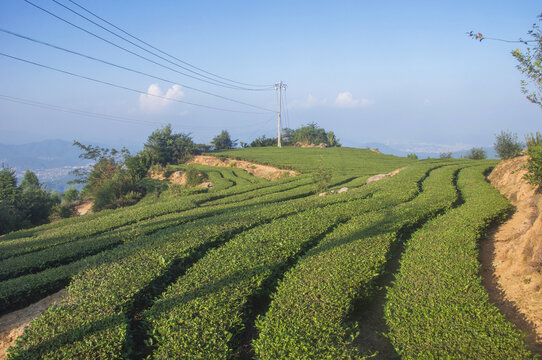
(51, 160)
(423, 151)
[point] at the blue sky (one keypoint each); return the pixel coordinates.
(395, 72)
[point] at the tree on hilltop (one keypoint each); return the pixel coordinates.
(223, 141)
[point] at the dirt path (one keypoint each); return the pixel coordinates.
(12, 325)
(511, 256)
(85, 207)
(263, 171)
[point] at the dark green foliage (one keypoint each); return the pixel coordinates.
(332, 139)
(71, 195)
(110, 182)
(164, 147)
(24, 205)
(412, 156)
(223, 141)
(263, 141)
(139, 164)
(193, 176)
(476, 154)
(8, 185)
(534, 162)
(446, 155)
(507, 145)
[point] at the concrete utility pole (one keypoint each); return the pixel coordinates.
(279, 86)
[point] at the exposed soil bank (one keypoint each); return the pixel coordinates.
(12, 325)
(511, 256)
(263, 171)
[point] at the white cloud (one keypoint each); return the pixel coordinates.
(150, 102)
(346, 100)
(310, 102)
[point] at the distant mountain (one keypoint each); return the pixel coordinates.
(46, 154)
(51, 160)
(424, 151)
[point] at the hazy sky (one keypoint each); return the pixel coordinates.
(395, 72)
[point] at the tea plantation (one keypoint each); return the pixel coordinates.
(262, 269)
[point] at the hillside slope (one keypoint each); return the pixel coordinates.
(517, 244)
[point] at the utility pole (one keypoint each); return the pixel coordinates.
(279, 86)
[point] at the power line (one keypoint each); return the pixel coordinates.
(163, 52)
(77, 111)
(138, 46)
(130, 69)
(123, 87)
(127, 50)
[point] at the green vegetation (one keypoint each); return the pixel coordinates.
(476, 153)
(24, 205)
(412, 156)
(534, 163)
(530, 65)
(256, 269)
(507, 145)
(223, 141)
(455, 318)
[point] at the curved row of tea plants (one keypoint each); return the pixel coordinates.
(437, 307)
(101, 283)
(59, 263)
(66, 251)
(308, 312)
(113, 285)
(201, 315)
(112, 220)
(22, 290)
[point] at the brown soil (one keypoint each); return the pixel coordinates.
(12, 325)
(263, 171)
(383, 176)
(511, 256)
(85, 207)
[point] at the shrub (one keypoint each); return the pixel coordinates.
(476, 154)
(175, 189)
(534, 163)
(71, 195)
(507, 145)
(321, 178)
(193, 176)
(412, 156)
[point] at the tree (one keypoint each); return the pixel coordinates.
(332, 139)
(223, 141)
(530, 61)
(109, 182)
(446, 155)
(530, 65)
(507, 145)
(24, 205)
(71, 195)
(476, 154)
(310, 134)
(412, 156)
(165, 147)
(263, 141)
(8, 185)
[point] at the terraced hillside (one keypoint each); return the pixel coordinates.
(268, 270)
